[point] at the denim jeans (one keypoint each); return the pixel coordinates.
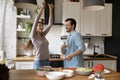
(39, 63)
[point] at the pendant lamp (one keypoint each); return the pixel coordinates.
(26, 1)
(93, 5)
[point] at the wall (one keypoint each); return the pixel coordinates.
(112, 44)
(54, 38)
(55, 42)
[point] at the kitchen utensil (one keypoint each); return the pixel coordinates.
(84, 71)
(55, 75)
(68, 73)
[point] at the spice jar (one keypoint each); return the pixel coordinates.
(99, 76)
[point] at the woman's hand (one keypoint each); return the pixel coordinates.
(41, 8)
(50, 6)
(43, 5)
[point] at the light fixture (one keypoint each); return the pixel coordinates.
(26, 1)
(93, 5)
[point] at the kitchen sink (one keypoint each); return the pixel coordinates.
(99, 56)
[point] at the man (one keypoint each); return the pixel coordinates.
(74, 46)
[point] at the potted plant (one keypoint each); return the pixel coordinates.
(28, 26)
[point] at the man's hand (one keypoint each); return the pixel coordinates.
(68, 57)
(63, 46)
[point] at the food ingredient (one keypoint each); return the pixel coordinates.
(83, 69)
(98, 68)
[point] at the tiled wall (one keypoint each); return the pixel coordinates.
(54, 38)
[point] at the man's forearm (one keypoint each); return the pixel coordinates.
(77, 52)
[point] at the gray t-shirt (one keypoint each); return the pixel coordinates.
(40, 43)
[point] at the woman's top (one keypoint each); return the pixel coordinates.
(40, 43)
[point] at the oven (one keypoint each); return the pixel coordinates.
(56, 62)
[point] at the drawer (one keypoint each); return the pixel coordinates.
(24, 65)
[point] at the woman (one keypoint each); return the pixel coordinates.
(38, 40)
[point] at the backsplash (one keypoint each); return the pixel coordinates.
(54, 38)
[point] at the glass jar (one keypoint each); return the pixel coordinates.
(99, 75)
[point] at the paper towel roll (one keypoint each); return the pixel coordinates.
(86, 44)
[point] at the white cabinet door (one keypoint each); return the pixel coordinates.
(97, 23)
(103, 21)
(111, 64)
(24, 65)
(87, 22)
(72, 10)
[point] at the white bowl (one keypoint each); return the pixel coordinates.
(27, 53)
(42, 70)
(55, 75)
(83, 71)
(41, 73)
(68, 73)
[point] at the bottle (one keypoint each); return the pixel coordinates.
(2, 57)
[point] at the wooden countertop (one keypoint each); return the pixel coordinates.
(26, 58)
(31, 75)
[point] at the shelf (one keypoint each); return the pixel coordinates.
(23, 37)
(21, 29)
(23, 16)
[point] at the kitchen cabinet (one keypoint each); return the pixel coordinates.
(103, 21)
(24, 65)
(111, 64)
(72, 10)
(89, 23)
(97, 23)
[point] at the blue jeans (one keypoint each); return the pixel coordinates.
(39, 63)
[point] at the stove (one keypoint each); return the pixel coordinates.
(54, 55)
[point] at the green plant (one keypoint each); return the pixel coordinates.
(28, 26)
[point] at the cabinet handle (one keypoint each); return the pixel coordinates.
(88, 34)
(104, 34)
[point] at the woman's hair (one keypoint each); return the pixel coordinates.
(29, 45)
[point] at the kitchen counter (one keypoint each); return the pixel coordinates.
(86, 57)
(26, 58)
(31, 75)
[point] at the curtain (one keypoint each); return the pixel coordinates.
(2, 21)
(8, 28)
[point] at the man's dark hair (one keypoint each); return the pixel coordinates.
(73, 22)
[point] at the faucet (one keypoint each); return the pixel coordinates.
(95, 53)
